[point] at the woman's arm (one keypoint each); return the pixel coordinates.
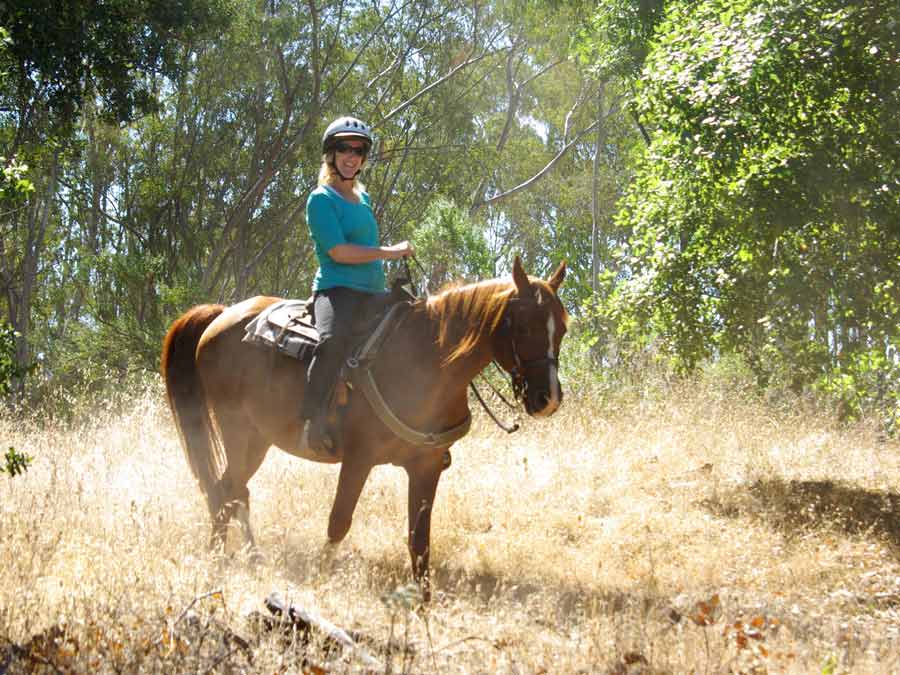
(354, 254)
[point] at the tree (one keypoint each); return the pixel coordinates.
(14, 462)
(14, 187)
(202, 198)
(617, 35)
(450, 246)
(764, 211)
(68, 53)
(65, 60)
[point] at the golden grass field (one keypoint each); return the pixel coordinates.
(696, 529)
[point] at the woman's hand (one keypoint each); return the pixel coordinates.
(401, 250)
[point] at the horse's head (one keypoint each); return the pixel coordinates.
(527, 342)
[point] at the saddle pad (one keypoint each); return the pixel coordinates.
(286, 326)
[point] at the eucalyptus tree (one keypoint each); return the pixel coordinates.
(201, 197)
(542, 136)
(62, 58)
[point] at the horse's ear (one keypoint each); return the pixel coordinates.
(557, 277)
(521, 279)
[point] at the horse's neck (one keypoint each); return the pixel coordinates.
(462, 369)
(421, 383)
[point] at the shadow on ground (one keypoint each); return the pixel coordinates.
(795, 506)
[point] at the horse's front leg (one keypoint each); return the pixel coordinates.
(424, 473)
(354, 472)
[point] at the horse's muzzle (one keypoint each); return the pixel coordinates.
(542, 401)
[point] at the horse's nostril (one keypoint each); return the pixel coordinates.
(544, 399)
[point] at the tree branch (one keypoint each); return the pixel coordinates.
(415, 97)
(540, 174)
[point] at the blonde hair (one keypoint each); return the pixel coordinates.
(328, 175)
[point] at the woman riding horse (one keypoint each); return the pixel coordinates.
(232, 400)
(345, 234)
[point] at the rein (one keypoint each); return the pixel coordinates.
(511, 428)
(362, 375)
(517, 375)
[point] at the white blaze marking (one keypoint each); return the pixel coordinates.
(554, 379)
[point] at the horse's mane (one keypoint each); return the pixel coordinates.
(464, 314)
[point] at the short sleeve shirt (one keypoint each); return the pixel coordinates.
(333, 221)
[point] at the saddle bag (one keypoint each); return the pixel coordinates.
(287, 326)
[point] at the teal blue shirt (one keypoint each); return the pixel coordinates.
(332, 221)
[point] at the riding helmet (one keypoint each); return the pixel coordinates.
(347, 127)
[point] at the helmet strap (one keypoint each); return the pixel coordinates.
(338, 171)
(333, 163)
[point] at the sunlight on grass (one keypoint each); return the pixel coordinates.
(688, 532)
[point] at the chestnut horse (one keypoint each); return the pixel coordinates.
(232, 400)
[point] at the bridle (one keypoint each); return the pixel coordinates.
(520, 366)
(516, 373)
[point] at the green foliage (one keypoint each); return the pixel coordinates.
(65, 53)
(617, 36)
(9, 369)
(16, 463)
(450, 246)
(201, 199)
(866, 382)
(765, 213)
(14, 186)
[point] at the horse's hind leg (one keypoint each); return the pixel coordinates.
(245, 449)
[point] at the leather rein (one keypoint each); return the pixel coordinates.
(361, 376)
(516, 374)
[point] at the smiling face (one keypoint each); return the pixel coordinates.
(350, 155)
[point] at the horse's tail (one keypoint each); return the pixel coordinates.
(188, 402)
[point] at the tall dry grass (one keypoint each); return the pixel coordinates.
(693, 530)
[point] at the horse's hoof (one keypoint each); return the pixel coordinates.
(328, 557)
(425, 590)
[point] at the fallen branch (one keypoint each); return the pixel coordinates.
(306, 624)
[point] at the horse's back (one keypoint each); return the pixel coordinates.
(234, 315)
(222, 359)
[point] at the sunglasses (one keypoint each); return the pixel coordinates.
(360, 150)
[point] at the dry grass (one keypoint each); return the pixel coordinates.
(698, 531)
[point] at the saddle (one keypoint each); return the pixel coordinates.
(289, 326)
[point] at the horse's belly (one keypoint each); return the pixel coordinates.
(300, 448)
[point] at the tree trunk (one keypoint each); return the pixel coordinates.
(595, 194)
(20, 304)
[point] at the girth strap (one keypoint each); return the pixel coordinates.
(361, 376)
